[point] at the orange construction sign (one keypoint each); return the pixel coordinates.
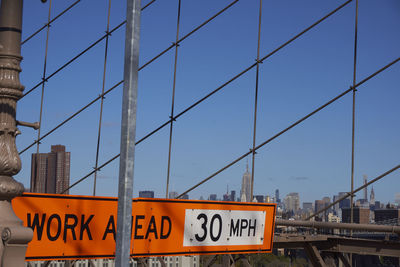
(74, 227)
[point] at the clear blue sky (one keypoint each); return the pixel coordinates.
(312, 159)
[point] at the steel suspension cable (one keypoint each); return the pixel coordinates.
(255, 103)
(102, 99)
(353, 112)
(71, 117)
(148, 4)
(262, 59)
(43, 77)
(80, 54)
(289, 127)
(226, 83)
(48, 24)
(173, 98)
(190, 33)
(73, 59)
(120, 82)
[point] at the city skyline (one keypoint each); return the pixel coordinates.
(299, 202)
(246, 183)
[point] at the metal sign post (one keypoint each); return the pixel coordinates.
(128, 130)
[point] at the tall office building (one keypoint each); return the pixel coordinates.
(146, 194)
(327, 202)
(336, 206)
(292, 202)
(277, 196)
(397, 199)
(50, 171)
(173, 194)
(319, 205)
(344, 203)
(212, 197)
(233, 195)
(372, 197)
(227, 196)
(307, 206)
(259, 199)
(360, 215)
(365, 188)
(246, 186)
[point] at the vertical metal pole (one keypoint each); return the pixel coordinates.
(128, 130)
(14, 237)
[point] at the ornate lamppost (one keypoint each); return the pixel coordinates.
(14, 237)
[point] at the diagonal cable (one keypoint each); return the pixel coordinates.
(43, 76)
(190, 33)
(171, 125)
(289, 127)
(102, 99)
(226, 83)
(71, 117)
(255, 103)
(48, 24)
(117, 84)
(43, 85)
(81, 53)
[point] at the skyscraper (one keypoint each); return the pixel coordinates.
(372, 197)
(397, 199)
(292, 202)
(233, 195)
(146, 194)
(246, 186)
(173, 194)
(307, 206)
(336, 206)
(277, 196)
(319, 205)
(50, 171)
(212, 197)
(344, 203)
(365, 188)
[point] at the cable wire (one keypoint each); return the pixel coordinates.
(51, 21)
(233, 78)
(43, 77)
(288, 128)
(353, 119)
(102, 99)
(173, 98)
(81, 53)
(117, 84)
(255, 103)
(71, 117)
